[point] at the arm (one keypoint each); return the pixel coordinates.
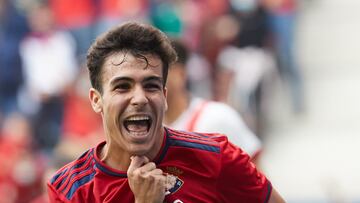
(275, 197)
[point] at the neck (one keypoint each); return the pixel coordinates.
(118, 158)
(177, 105)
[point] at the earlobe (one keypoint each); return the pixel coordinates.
(96, 100)
(165, 94)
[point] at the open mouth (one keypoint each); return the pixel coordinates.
(138, 125)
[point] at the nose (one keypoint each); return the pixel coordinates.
(139, 97)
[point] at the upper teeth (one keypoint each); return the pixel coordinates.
(138, 118)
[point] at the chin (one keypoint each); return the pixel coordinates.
(140, 149)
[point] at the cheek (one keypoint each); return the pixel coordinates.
(115, 106)
(159, 103)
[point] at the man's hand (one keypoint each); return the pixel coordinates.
(147, 182)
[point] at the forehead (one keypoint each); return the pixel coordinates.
(124, 63)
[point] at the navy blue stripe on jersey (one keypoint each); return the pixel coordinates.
(183, 143)
(79, 183)
(52, 181)
(61, 183)
(72, 174)
(107, 171)
(192, 136)
(268, 193)
(207, 136)
(84, 154)
(77, 165)
(194, 133)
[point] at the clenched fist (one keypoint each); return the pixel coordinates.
(148, 183)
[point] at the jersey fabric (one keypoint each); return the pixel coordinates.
(208, 169)
(210, 116)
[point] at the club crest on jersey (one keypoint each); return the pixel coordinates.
(177, 185)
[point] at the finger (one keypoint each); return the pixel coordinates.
(157, 172)
(137, 162)
(148, 167)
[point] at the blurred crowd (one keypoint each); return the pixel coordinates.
(237, 49)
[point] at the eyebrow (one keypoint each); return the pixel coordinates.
(128, 79)
(153, 78)
(118, 79)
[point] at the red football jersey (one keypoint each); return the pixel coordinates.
(208, 169)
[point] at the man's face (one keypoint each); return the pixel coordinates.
(133, 103)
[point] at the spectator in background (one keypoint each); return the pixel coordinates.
(21, 167)
(282, 21)
(78, 17)
(50, 65)
(246, 62)
(165, 16)
(81, 126)
(190, 113)
(184, 19)
(13, 27)
(113, 12)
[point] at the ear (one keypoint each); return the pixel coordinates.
(165, 95)
(96, 100)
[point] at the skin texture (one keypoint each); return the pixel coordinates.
(133, 88)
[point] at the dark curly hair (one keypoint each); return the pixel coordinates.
(134, 38)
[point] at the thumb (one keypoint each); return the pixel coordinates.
(137, 162)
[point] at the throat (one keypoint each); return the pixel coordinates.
(116, 159)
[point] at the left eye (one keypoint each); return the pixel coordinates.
(152, 86)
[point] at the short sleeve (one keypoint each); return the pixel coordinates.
(239, 180)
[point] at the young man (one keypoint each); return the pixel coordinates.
(190, 113)
(141, 160)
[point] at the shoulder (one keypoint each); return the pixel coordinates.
(216, 111)
(211, 142)
(73, 175)
(216, 107)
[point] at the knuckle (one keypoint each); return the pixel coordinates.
(158, 171)
(152, 165)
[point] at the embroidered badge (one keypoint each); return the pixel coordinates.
(173, 183)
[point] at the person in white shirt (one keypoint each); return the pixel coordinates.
(195, 114)
(50, 66)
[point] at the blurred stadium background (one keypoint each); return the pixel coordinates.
(298, 91)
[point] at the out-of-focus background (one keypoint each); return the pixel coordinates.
(289, 67)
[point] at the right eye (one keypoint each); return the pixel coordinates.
(122, 87)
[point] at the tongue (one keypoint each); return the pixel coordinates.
(137, 127)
